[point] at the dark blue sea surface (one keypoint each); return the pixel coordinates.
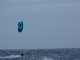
(40, 54)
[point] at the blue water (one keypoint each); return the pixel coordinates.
(40, 54)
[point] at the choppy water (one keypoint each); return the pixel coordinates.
(41, 54)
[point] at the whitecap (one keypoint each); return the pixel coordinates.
(11, 56)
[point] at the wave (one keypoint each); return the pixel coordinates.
(11, 56)
(46, 58)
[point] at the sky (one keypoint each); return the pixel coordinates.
(47, 24)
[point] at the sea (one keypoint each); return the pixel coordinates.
(40, 54)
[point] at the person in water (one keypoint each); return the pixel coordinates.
(22, 54)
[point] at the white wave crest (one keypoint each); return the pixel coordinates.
(11, 56)
(47, 58)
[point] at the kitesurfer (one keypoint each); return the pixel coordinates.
(22, 54)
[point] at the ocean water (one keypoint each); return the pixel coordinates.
(40, 54)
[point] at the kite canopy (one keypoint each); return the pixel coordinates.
(20, 26)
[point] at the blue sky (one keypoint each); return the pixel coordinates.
(47, 24)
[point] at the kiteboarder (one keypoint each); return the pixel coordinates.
(22, 54)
